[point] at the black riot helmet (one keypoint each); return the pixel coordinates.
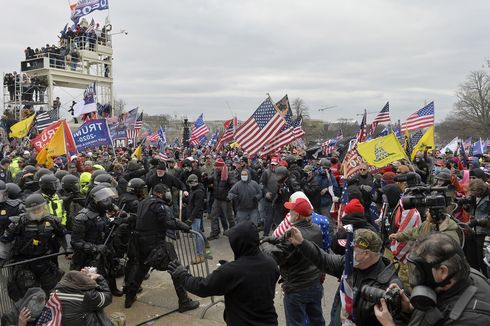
(60, 174)
(40, 173)
(49, 184)
(103, 178)
(13, 190)
(137, 186)
(3, 192)
(36, 207)
(102, 197)
(70, 184)
(95, 174)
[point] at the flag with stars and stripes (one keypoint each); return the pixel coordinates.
(132, 133)
(228, 133)
(329, 146)
(414, 139)
(199, 129)
(383, 116)
(154, 137)
(202, 140)
(90, 27)
(263, 126)
(44, 119)
(298, 131)
(362, 133)
(423, 118)
(346, 288)
(285, 136)
(51, 313)
(139, 122)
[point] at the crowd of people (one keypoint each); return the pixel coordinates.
(23, 87)
(419, 233)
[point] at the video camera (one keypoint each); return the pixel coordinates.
(392, 297)
(422, 196)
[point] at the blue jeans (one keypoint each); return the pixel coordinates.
(266, 213)
(249, 215)
(196, 226)
(302, 304)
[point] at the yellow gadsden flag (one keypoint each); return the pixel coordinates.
(21, 128)
(381, 151)
(427, 140)
(55, 147)
(138, 153)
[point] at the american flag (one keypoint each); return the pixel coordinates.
(285, 136)
(162, 156)
(404, 220)
(383, 116)
(228, 133)
(202, 140)
(328, 146)
(346, 292)
(153, 137)
(344, 199)
(298, 131)
(132, 133)
(51, 313)
(139, 122)
(421, 119)
(361, 134)
(264, 124)
(199, 129)
(91, 27)
(44, 119)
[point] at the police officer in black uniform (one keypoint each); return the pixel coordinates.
(73, 201)
(8, 207)
(153, 219)
(90, 230)
(34, 234)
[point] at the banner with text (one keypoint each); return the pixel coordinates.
(92, 133)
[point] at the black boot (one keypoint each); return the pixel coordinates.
(128, 302)
(113, 286)
(185, 303)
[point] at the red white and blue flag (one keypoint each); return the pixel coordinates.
(291, 131)
(346, 288)
(383, 116)
(228, 133)
(264, 124)
(199, 129)
(404, 220)
(423, 118)
(51, 313)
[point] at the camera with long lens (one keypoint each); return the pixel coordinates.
(392, 297)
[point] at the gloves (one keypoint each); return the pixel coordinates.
(178, 272)
(183, 227)
(102, 249)
(366, 188)
(473, 223)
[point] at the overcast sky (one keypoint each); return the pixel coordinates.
(184, 57)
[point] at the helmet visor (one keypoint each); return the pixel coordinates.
(104, 194)
(3, 196)
(38, 212)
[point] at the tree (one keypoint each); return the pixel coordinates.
(119, 107)
(473, 105)
(299, 108)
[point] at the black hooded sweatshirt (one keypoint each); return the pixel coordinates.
(248, 283)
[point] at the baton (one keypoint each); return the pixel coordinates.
(37, 258)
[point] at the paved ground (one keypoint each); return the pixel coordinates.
(158, 297)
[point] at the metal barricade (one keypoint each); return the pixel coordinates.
(185, 246)
(6, 304)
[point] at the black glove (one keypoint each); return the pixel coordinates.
(222, 261)
(183, 227)
(473, 223)
(270, 239)
(177, 271)
(102, 249)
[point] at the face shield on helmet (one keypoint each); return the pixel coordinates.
(3, 195)
(36, 213)
(104, 198)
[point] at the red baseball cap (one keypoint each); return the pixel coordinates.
(300, 206)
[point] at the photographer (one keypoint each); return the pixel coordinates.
(445, 290)
(370, 268)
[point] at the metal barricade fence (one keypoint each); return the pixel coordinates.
(185, 246)
(6, 304)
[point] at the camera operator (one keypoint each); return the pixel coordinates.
(446, 291)
(370, 268)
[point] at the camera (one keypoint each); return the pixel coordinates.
(466, 201)
(392, 297)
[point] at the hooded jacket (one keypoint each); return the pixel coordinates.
(248, 283)
(196, 202)
(34, 300)
(246, 193)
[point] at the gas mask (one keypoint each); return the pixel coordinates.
(422, 280)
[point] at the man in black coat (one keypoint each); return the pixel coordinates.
(248, 283)
(165, 178)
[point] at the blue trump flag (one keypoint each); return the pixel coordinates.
(92, 133)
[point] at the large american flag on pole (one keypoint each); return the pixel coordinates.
(285, 136)
(421, 119)
(139, 122)
(346, 289)
(51, 313)
(383, 116)
(199, 129)
(264, 124)
(362, 134)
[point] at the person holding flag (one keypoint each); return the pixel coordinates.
(370, 268)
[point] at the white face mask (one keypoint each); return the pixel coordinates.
(244, 178)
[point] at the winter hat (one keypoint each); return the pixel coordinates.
(354, 206)
(300, 206)
(219, 162)
(388, 177)
(274, 161)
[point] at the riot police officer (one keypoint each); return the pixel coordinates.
(153, 219)
(135, 191)
(8, 207)
(49, 185)
(35, 234)
(91, 228)
(73, 201)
